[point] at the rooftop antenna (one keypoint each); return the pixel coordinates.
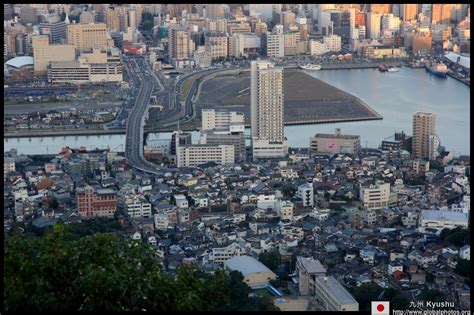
(366, 143)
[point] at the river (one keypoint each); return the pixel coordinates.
(396, 96)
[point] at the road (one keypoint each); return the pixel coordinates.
(147, 82)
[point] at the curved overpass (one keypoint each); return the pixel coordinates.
(136, 119)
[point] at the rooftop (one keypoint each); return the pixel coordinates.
(311, 265)
(19, 62)
(336, 289)
(444, 215)
(246, 265)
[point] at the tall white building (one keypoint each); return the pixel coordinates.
(433, 146)
(266, 107)
(317, 48)
(373, 25)
(222, 120)
(306, 193)
(390, 22)
(275, 42)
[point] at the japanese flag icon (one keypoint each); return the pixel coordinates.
(380, 308)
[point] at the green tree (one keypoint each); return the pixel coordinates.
(463, 268)
(457, 236)
(270, 259)
(66, 272)
(365, 294)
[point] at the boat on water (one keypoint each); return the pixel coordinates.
(382, 68)
(392, 69)
(310, 67)
(438, 69)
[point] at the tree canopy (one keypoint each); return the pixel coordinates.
(106, 272)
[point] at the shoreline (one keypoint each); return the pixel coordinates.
(122, 131)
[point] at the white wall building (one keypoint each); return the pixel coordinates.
(375, 196)
(441, 219)
(306, 193)
(332, 296)
(197, 154)
(333, 42)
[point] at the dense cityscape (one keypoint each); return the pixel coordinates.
(206, 203)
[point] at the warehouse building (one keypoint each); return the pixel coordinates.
(255, 273)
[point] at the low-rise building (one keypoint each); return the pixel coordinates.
(323, 143)
(197, 154)
(255, 273)
(332, 296)
(441, 219)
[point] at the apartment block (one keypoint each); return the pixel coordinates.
(96, 202)
(197, 154)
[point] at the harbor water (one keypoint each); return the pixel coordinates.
(396, 96)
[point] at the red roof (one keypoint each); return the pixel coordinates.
(399, 274)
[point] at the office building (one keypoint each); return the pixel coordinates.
(317, 48)
(287, 18)
(216, 25)
(135, 206)
(373, 25)
(381, 8)
(441, 13)
(332, 42)
(423, 127)
(221, 120)
(94, 67)
(308, 269)
(332, 296)
(7, 11)
(274, 42)
(179, 138)
(225, 128)
(93, 202)
(409, 11)
(56, 31)
(290, 41)
(422, 44)
(214, 11)
(197, 154)
(390, 22)
(87, 17)
(88, 36)
(216, 45)
(43, 52)
(180, 44)
(400, 141)
(433, 147)
(238, 27)
(267, 101)
(226, 137)
(323, 143)
(29, 15)
(375, 196)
